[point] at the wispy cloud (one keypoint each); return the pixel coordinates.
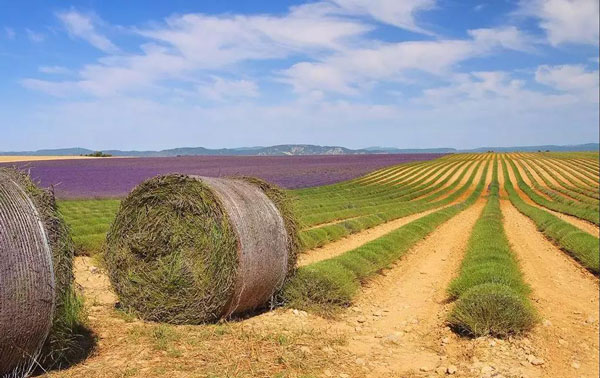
(35, 36)
(570, 78)
(54, 70)
(221, 89)
(185, 44)
(565, 21)
(397, 13)
(350, 71)
(82, 26)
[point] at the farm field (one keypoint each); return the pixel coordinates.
(116, 177)
(390, 263)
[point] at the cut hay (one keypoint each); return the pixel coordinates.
(39, 310)
(190, 250)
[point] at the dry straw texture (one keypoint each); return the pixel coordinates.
(40, 313)
(189, 250)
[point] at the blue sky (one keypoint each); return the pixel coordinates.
(414, 73)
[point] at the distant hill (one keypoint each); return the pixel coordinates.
(295, 149)
(551, 147)
(394, 150)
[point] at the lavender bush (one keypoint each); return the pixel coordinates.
(115, 177)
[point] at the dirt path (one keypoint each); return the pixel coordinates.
(567, 171)
(97, 289)
(561, 173)
(565, 295)
(519, 163)
(356, 240)
(397, 317)
(452, 180)
(541, 181)
(418, 174)
(403, 175)
(383, 174)
(447, 174)
(579, 223)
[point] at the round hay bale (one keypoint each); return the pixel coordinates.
(39, 310)
(189, 249)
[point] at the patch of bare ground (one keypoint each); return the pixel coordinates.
(13, 159)
(278, 343)
(399, 317)
(579, 223)
(566, 296)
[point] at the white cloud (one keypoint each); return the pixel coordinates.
(216, 40)
(394, 12)
(565, 21)
(353, 70)
(53, 88)
(221, 89)
(82, 26)
(573, 79)
(35, 36)
(509, 37)
(187, 44)
(58, 70)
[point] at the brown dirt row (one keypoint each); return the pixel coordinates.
(419, 173)
(378, 175)
(541, 181)
(565, 295)
(339, 220)
(412, 172)
(431, 180)
(450, 182)
(579, 223)
(562, 172)
(571, 171)
(520, 163)
(356, 240)
(398, 318)
(550, 178)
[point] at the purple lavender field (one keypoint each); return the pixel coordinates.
(116, 177)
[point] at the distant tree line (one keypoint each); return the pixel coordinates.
(98, 154)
